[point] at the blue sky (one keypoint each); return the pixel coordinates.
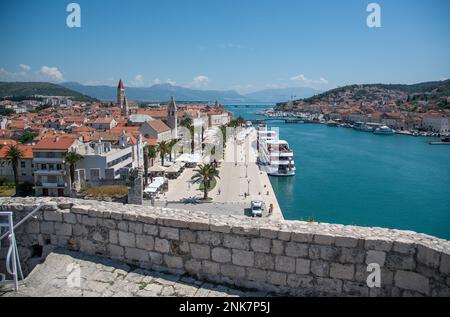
(244, 45)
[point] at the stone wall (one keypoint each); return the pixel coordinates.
(286, 257)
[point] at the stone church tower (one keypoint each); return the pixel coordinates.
(121, 99)
(172, 119)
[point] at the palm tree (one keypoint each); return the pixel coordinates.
(188, 123)
(205, 174)
(14, 154)
(72, 158)
(149, 154)
(172, 143)
(163, 149)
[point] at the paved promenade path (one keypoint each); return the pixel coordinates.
(100, 277)
(233, 192)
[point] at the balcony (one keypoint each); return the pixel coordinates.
(48, 160)
(51, 185)
(50, 172)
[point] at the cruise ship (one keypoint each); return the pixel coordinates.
(275, 156)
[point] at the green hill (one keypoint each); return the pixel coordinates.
(16, 90)
(435, 91)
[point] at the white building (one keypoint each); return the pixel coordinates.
(435, 123)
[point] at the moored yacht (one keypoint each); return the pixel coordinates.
(384, 130)
(275, 156)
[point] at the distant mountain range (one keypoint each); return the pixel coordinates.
(162, 92)
(28, 89)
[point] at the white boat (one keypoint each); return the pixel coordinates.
(275, 156)
(384, 130)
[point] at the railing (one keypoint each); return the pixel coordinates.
(13, 266)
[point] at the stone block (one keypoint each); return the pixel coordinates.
(200, 251)
(145, 242)
(187, 235)
(150, 229)
(352, 255)
(155, 258)
(162, 245)
(329, 285)
(277, 278)
(378, 244)
(175, 262)
(63, 229)
(404, 247)
(261, 245)
(330, 253)
(115, 251)
(127, 239)
(302, 237)
(295, 249)
(412, 281)
(69, 218)
(346, 242)
(122, 225)
(284, 235)
(270, 233)
(378, 257)
(210, 268)
(285, 264)
(236, 242)
(169, 233)
(79, 230)
(320, 268)
(88, 221)
(53, 215)
(342, 271)
(210, 238)
(264, 261)
(135, 227)
(277, 247)
(428, 256)
(232, 271)
(300, 281)
(113, 236)
(136, 254)
(302, 266)
(256, 275)
(221, 255)
(47, 227)
(193, 266)
(400, 261)
(222, 228)
(323, 239)
(445, 264)
(243, 258)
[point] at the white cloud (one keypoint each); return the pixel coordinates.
(200, 81)
(52, 72)
(25, 67)
(302, 79)
(138, 80)
(171, 82)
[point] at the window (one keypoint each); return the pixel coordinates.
(22, 164)
(44, 166)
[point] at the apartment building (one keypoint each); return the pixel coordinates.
(51, 177)
(25, 164)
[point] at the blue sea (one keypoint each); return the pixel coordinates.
(358, 178)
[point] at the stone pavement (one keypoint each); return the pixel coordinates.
(73, 274)
(228, 196)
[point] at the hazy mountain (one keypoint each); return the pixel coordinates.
(162, 92)
(28, 89)
(282, 94)
(157, 93)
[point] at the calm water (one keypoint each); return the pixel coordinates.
(350, 177)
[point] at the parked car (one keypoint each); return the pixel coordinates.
(257, 208)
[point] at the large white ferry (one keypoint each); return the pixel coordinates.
(275, 157)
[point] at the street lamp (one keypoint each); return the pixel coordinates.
(248, 181)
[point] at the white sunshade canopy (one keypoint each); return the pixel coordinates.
(190, 158)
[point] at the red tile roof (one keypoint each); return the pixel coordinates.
(27, 151)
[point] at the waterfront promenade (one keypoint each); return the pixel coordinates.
(241, 181)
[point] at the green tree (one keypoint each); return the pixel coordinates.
(205, 174)
(163, 149)
(14, 154)
(72, 158)
(149, 154)
(27, 137)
